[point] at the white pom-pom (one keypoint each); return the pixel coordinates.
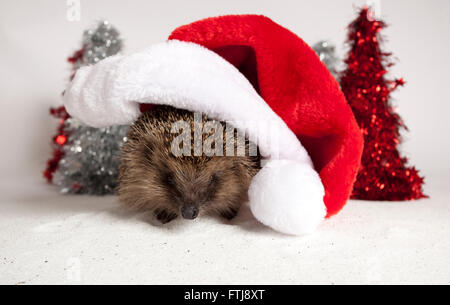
(288, 197)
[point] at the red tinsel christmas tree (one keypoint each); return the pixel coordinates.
(383, 174)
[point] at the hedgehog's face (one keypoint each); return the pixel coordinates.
(190, 190)
(152, 178)
(201, 185)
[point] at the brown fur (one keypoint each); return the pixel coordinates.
(152, 178)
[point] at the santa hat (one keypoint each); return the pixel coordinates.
(243, 69)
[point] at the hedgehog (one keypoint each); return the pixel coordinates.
(154, 178)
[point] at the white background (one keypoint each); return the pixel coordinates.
(36, 38)
(46, 237)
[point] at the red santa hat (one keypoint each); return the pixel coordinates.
(243, 69)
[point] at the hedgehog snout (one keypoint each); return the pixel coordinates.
(189, 211)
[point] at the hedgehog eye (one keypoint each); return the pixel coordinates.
(212, 180)
(169, 180)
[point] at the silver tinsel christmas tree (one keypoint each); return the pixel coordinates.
(91, 156)
(91, 159)
(98, 43)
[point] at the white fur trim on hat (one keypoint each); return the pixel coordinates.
(287, 194)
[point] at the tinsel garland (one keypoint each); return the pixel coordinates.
(57, 142)
(85, 160)
(383, 174)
